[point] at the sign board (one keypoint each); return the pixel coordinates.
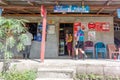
(72, 8)
(51, 29)
(0, 11)
(118, 13)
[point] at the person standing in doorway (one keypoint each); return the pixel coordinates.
(80, 43)
(26, 52)
(69, 43)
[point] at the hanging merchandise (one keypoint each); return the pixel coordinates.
(39, 33)
(38, 36)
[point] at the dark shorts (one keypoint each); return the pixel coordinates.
(80, 44)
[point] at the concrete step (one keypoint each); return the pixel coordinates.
(54, 79)
(56, 72)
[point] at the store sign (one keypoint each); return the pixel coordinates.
(72, 8)
(118, 13)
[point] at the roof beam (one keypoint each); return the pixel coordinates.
(26, 11)
(79, 0)
(3, 2)
(106, 4)
(23, 10)
(91, 6)
(10, 11)
(61, 15)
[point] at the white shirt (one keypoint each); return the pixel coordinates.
(30, 37)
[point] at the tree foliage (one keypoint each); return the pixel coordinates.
(12, 33)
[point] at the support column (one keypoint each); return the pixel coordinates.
(43, 14)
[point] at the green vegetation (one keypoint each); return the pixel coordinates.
(11, 35)
(16, 75)
(13, 74)
(94, 77)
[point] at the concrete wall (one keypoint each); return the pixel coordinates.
(52, 39)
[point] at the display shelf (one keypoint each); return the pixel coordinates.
(61, 46)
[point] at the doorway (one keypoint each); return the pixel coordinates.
(63, 28)
(32, 28)
(117, 34)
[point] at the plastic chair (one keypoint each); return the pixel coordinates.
(113, 50)
(100, 48)
(89, 47)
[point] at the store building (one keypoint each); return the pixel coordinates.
(101, 12)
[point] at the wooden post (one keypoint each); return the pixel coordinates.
(43, 14)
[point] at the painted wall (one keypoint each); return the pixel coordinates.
(52, 39)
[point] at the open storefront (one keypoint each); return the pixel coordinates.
(96, 20)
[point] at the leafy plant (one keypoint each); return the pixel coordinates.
(94, 77)
(82, 76)
(11, 34)
(16, 75)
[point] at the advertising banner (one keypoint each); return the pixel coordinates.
(51, 29)
(76, 25)
(92, 35)
(91, 25)
(106, 26)
(102, 26)
(98, 26)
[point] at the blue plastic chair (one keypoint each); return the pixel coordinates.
(100, 48)
(89, 47)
